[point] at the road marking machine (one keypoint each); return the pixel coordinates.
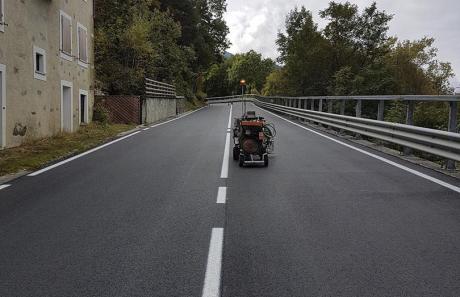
(253, 139)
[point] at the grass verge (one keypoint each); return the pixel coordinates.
(34, 154)
(194, 104)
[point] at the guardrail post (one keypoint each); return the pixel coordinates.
(329, 106)
(320, 108)
(358, 112)
(358, 108)
(342, 107)
(342, 112)
(409, 121)
(381, 110)
(453, 114)
(312, 106)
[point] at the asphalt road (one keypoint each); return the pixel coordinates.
(139, 218)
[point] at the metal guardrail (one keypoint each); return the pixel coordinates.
(440, 143)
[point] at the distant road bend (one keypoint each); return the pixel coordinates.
(166, 212)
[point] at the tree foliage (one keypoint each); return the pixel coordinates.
(168, 40)
(224, 78)
(353, 55)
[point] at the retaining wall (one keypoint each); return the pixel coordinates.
(154, 110)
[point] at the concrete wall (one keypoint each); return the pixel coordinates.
(33, 106)
(154, 110)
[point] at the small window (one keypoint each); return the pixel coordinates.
(39, 63)
(66, 36)
(82, 33)
(2, 16)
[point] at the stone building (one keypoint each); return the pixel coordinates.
(46, 68)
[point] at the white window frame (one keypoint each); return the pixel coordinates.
(3, 107)
(38, 75)
(86, 107)
(80, 62)
(68, 84)
(62, 54)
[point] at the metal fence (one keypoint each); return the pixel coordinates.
(445, 144)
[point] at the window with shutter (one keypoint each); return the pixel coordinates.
(82, 44)
(66, 34)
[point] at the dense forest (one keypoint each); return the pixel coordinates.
(184, 41)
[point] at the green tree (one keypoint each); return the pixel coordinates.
(217, 80)
(306, 55)
(168, 40)
(250, 66)
(276, 84)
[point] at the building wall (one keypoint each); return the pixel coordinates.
(33, 106)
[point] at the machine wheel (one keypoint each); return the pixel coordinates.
(236, 153)
(241, 161)
(266, 160)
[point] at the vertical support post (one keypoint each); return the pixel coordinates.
(453, 114)
(409, 121)
(297, 105)
(358, 113)
(381, 110)
(329, 108)
(342, 107)
(358, 108)
(303, 105)
(342, 112)
(320, 108)
(312, 107)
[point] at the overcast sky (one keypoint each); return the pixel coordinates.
(254, 24)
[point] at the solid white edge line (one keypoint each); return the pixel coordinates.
(229, 126)
(145, 129)
(222, 195)
(224, 171)
(405, 168)
(4, 186)
(100, 147)
(211, 287)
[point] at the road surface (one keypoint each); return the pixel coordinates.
(163, 213)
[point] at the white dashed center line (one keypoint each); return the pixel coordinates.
(222, 195)
(211, 286)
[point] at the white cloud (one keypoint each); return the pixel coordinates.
(254, 24)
